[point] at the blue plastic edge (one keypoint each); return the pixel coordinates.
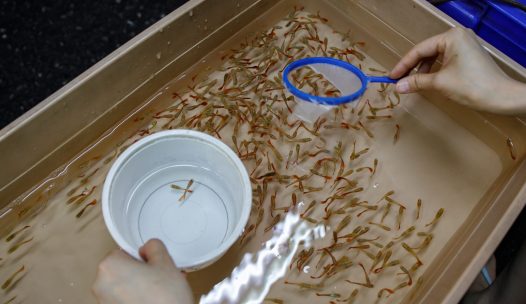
(500, 24)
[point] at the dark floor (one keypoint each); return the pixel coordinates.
(512, 242)
(45, 44)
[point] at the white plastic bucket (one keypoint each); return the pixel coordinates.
(139, 202)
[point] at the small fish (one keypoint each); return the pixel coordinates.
(367, 283)
(274, 300)
(92, 203)
(381, 291)
(415, 266)
(427, 240)
(312, 189)
(79, 198)
(259, 219)
(418, 208)
(511, 147)
(24, 211)
(355, 155)
(377, 259)
(367, 131)
(10, 300)
(387, 256)
(310, 220)
(409, 277)
(438, 215)
(297, 153)
(289, 158)
(400, 217)
(332, 295)
(176, 187)
(274, 222)
(304, 257)
(397, 96)
(343, 223)
(350, 299)
(406, 233)
(392, 201)
(415, 288)
(234, 141)
(246, 232)
(14, 234)
(294, 199)
(377, 71)
(111, 157)
(377, 117)
(18, 245)
(186, 190)
(275, 151)
(84, 180)
(306, 285)
(268, 174)
(8, 282)
(400, 286)
(412, 252)
(384, 227)
(397, 133)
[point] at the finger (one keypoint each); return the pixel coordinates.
(155, 253)
(106, 270)
(115, 260)
(415, 83)
(428, 48)
(426, 65)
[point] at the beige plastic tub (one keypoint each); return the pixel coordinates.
(449, 156)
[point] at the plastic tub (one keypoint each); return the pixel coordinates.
(450, 156)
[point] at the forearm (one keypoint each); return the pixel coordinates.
(505, 96)
(515, 98)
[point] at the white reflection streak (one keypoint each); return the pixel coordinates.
(252, 279)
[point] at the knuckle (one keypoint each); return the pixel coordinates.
(155, 242)
(416, 83)
(155, 246)
(149, 248)
(457, 34)
(95, 289)
(461, 32)
(438, 83)
(101, 271)
(457, 31)
(469, 32)
(104, 265)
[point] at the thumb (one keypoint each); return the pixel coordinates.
(155, 253)
(415, 83)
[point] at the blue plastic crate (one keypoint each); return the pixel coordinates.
(500, 24)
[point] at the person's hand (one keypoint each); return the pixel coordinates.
(121, 279)
(468, 74)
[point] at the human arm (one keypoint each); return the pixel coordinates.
(122, 279)
(468, 74)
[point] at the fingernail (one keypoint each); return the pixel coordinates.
(392, 73)
(402, 86)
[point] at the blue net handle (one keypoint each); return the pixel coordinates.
(383, 79)
(364, 79)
